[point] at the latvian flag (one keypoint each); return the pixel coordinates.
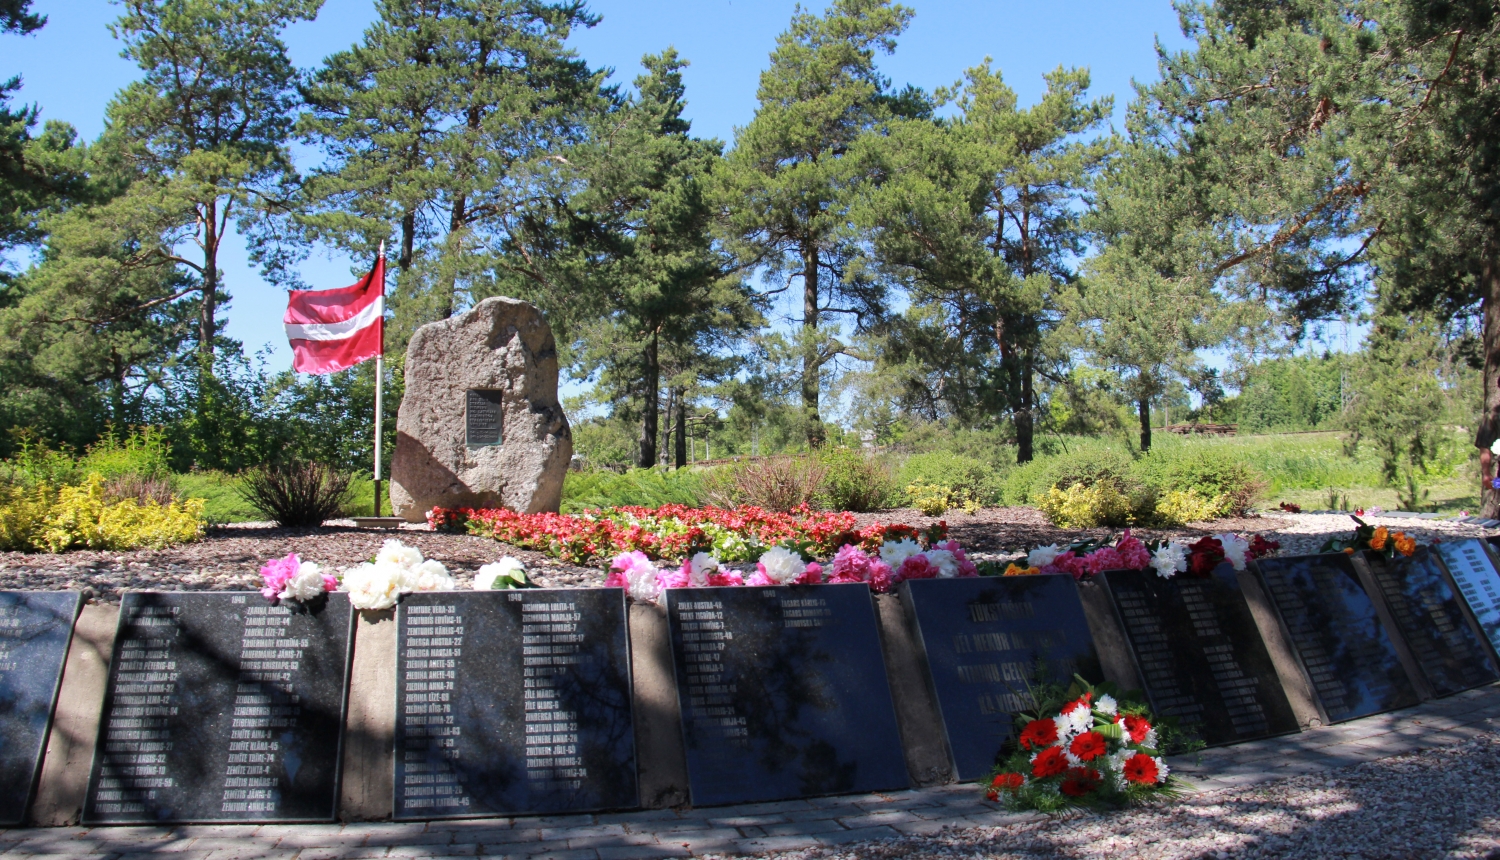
(331, 330)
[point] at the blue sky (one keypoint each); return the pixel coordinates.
(72, 67)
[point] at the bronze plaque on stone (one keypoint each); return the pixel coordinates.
(482, 418)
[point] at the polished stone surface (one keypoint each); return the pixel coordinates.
(221, 707)
(1474, 570)
(35, 627)
(1447, 648)
(783, 693)
(1200, 654)
(483, 418)
(986, 640)
(513, 701)
(1336, 632)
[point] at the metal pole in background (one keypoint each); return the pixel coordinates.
(379, 383)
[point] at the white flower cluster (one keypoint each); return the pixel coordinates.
(1235, 548)
(397, 569)
(893, 553)
(1170, 559)
(1044, 555)
(504, 573)
(944, 561)
(782, 566)
(307, 585)
(699, 569)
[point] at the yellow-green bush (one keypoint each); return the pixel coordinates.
(1189, 506)
(1081, 506)
(79, 516)
(934, 500)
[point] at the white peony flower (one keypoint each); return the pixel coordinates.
(397, 553)
(485, 579)
(1495, 447)
(1043, 555)
(782, 566)
(1107, 705)
(944, 561)
(306, 585)
(1234, 549)
(699, 569)
(643, 585)
(895, 552)
(431, 576)
(372, 586)
(1170, 560)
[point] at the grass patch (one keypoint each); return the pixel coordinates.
(220, 493)
(650, 488)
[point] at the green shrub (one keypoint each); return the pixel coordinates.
(853, 481)
(954, 471)
(222, 501)
(1084, 506)
(1086, 462)
(650, 488)
(1177, 507)
(296, 495)
(934, 500)
(1212, 475)
(774, 483)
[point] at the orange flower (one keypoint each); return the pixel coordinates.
(1377, 540)
(1348, 550)
(1404, 544)
(1014, 569)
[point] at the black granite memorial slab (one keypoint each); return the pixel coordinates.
(1448, 649)
(1336, 631)
(483, 418)
(1472, 565)
(1200, 654)
(783, 693)
(986, 641)
(221, 708)
(35, 627)
(513, 701)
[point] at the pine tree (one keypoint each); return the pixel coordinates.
(21, 189)
(790, 182)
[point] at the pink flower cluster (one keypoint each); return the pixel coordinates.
(276, 573)
(1128, 553)
(942, 559)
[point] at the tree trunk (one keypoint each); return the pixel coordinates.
(408, 241)
(450, 289)
(647, 455)
(1145, 411)
(680, 429)
(1489, 419)
(207, 322)
(810, 364)
(1025, 429)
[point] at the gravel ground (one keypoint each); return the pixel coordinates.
(1434, 803)
(229, 558)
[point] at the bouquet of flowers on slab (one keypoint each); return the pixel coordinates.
(1085, 558)
(1377, 539)
(1088, 747)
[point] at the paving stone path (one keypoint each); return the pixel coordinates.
(752, 828)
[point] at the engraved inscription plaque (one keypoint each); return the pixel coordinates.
(1473, 569)
(482, 418)
(783, 693)
(986, 640)
(35, 627)
(513, 701)
(1335, 629)
(1449, 652)
(1200, 654)
(221, 707)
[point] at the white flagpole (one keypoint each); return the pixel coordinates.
(379, 383)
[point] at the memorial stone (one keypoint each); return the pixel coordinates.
(1449, 651)
(222, 708)
(480, 424)
(986, 642)
(1473, 567)
(783, 693)
(1200, 654)
(35, 627)
(513, 701)
(1335, 629)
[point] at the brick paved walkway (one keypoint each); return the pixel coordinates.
(749, 828)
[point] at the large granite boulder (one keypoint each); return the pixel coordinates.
(480, 425)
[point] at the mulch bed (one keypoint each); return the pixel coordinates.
(229, 558)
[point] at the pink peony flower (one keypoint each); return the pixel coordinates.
(759, 577)
(276, 572)
(965, 567)
(1102, 559)
(727, 577)
(812, 576)
(918, 567)
(616, 579)
(681, 578)
(850, 565)
(1133, 553)
(1067, 563)
(882, 578)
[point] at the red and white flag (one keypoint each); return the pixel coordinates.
(331, 330)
